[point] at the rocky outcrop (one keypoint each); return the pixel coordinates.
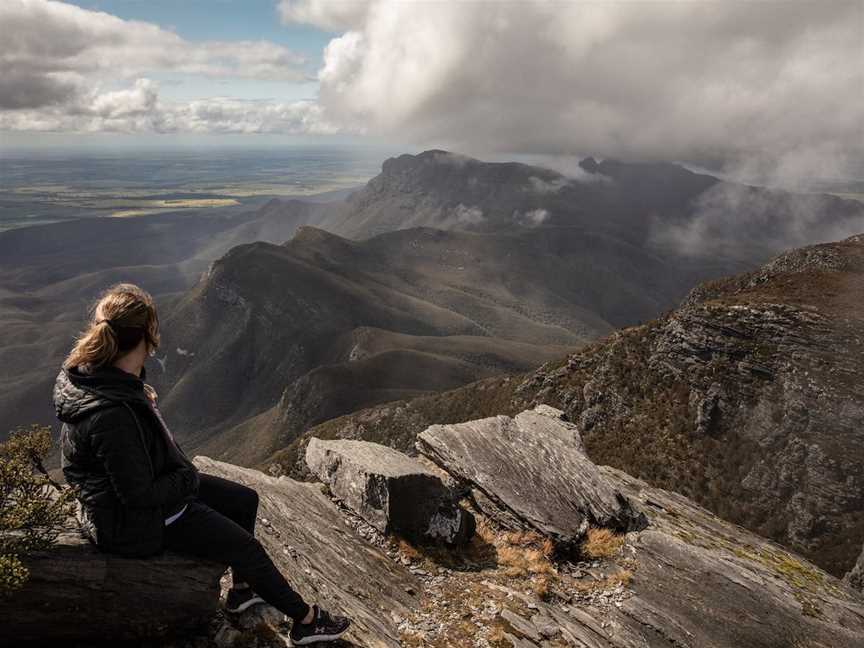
(688, 579)
(701, 581)
(311, 542)
(748, 398)
(392, 492)
(685, 579)
(530, 471)
(855, 576)
(78, 593)
(695, 581)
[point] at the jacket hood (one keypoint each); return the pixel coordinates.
(78, 394)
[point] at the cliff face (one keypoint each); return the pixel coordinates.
(747, 399)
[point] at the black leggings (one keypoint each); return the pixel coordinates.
(219, 525)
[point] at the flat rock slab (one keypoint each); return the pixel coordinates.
(695, 581)
(530, 472)
(78, 593)
(702, 581)
(324, 559)
(391, 491)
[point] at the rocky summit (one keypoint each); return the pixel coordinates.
(680, 578)
(674, 580)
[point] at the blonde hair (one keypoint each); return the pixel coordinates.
(121, 317)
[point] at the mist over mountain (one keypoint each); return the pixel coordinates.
(662, 207)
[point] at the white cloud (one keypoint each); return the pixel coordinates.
(670, 80)
(468, 215)
(333, 15)
(139, 110)
(462, 216)
(62, 66)
(42, 39)
(541, 186)
(728, 217)
(755, 83)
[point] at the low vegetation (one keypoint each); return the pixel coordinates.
(33, 507)
(601, 543)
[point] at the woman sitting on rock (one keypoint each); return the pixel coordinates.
(139, 493)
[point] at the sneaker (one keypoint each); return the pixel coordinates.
(324, 627)
(241, 599)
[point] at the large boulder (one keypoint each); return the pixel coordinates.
(391, 491)
(78, 593)
(532, 472)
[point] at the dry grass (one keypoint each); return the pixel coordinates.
(519, 553)
(496, 633)
(623, 577)
(478, 554)
(601, 543)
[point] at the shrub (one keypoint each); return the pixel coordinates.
(33, 507)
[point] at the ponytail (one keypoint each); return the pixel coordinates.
(123, 316)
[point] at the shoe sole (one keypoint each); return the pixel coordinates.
(245, 605)
(310, 640)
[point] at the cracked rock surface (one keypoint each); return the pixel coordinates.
(529, 471)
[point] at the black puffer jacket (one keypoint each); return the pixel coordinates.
(116, 450)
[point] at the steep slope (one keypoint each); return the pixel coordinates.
(748, 398)
(322, 325)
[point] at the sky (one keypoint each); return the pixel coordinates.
(767, 86)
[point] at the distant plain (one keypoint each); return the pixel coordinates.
(45, 187)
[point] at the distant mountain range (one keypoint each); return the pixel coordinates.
(442, 270)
